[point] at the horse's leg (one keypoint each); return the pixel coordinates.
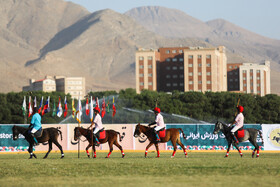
(116, 143)
(174, 148)
(88, 146)
(30, 150)
(50, 148)
(253, 153)
(183, 147)
(94, 151)
(254, 142)
(229, 144)
(148, 146)
(158, 155)
(59, 147)
(111, 148)
(236, 146)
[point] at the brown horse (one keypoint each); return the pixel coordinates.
(49, 135)
(172, 134)
(111, 138)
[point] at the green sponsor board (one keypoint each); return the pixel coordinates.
(201, 137)
(6, 140)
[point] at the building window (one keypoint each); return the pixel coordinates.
(168, 84)
(235, 67)
(174, 68)
(258, 78)
(150, 66)
(230, 67)
(190, 82)
(175, 84)
(150, 83)
(175, 76)
(258, 71)
(244, 78)
(141, 83)
(181, 76)
(258, 91)
(245, 85)
(230, 73)
(236, 80)
(251, 71)
(174, 51)
(244, 71)
(236, 73)
(199, 82)
(190, 74)
(174, 59)
(180, 51)
(208, 56)
(199, 73)
(141, 66)
(199, 56)
(208, 65)
(181, 84)
(190, 65)
(141, 75)
(141, 58)
(230, 80)
(181, 67)
(190, 57)
(168, 76)
(208, 82)
(208, 73)
(150, 58)
(251, 77)
(167, 68)
(258, 85)
(181, 59)
(199, 65)
(167, 51)
(150, 75)
(168, 60)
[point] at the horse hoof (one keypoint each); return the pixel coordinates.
(107, 157)
(44, 157)
(172, 156)
(30, 157)
(61, 157)
(226, 156)
(122, 156)
(88, 156)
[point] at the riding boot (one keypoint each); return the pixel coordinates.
(235, 138)
(157, 136)
(35, 140)
(97, 143)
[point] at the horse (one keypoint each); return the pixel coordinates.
(111, 138)
(49, 135)
(172, 134)
(249, 134)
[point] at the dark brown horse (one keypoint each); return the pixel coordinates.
(111, 138)
(49, 135)
(172, 134)
(251, 134)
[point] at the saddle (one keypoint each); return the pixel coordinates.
(38, 133)
(240, 133)
(101, 134)
(162, 133)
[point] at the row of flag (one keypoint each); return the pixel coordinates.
(58, 110)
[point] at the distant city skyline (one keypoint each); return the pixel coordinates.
(261, 17)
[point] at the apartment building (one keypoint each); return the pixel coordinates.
(75, 86)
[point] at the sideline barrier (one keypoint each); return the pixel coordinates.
(199, 137)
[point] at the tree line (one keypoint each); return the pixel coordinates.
(208, 106)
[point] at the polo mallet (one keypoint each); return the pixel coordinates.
(237, 105)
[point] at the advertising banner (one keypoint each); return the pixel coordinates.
(7, 144)
(201, 137)
(271, 135)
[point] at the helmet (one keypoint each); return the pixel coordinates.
(156, 109)
(240, 108)
(97, 109)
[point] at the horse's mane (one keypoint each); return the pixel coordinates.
(225, 126)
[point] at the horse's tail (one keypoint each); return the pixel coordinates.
(260, 133)
(183, 133)
(60, 133)
(120, 137)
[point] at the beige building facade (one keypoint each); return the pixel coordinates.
(205, 69)
(255, 78)
(46, 85)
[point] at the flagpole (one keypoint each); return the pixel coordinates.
(79, 143)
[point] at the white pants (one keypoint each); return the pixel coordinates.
(96, 130)
(33, 130)
(157, 128)
(234, 129)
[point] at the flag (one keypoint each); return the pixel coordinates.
(79, 111)
(103, 112)
(24, 106)
(35, 102)
(73, 109)
(87, 109)
(97, 102)
(113, 107)
(54, 109)
(41, 104)
(59, 108)
(46, 108)
(65, 107)
(91, 109)
(30, 110)
(108, 106)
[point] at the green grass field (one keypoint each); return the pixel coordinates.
(199, 169)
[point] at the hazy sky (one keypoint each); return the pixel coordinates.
(259, 16)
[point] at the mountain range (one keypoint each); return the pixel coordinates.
(54, 37)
